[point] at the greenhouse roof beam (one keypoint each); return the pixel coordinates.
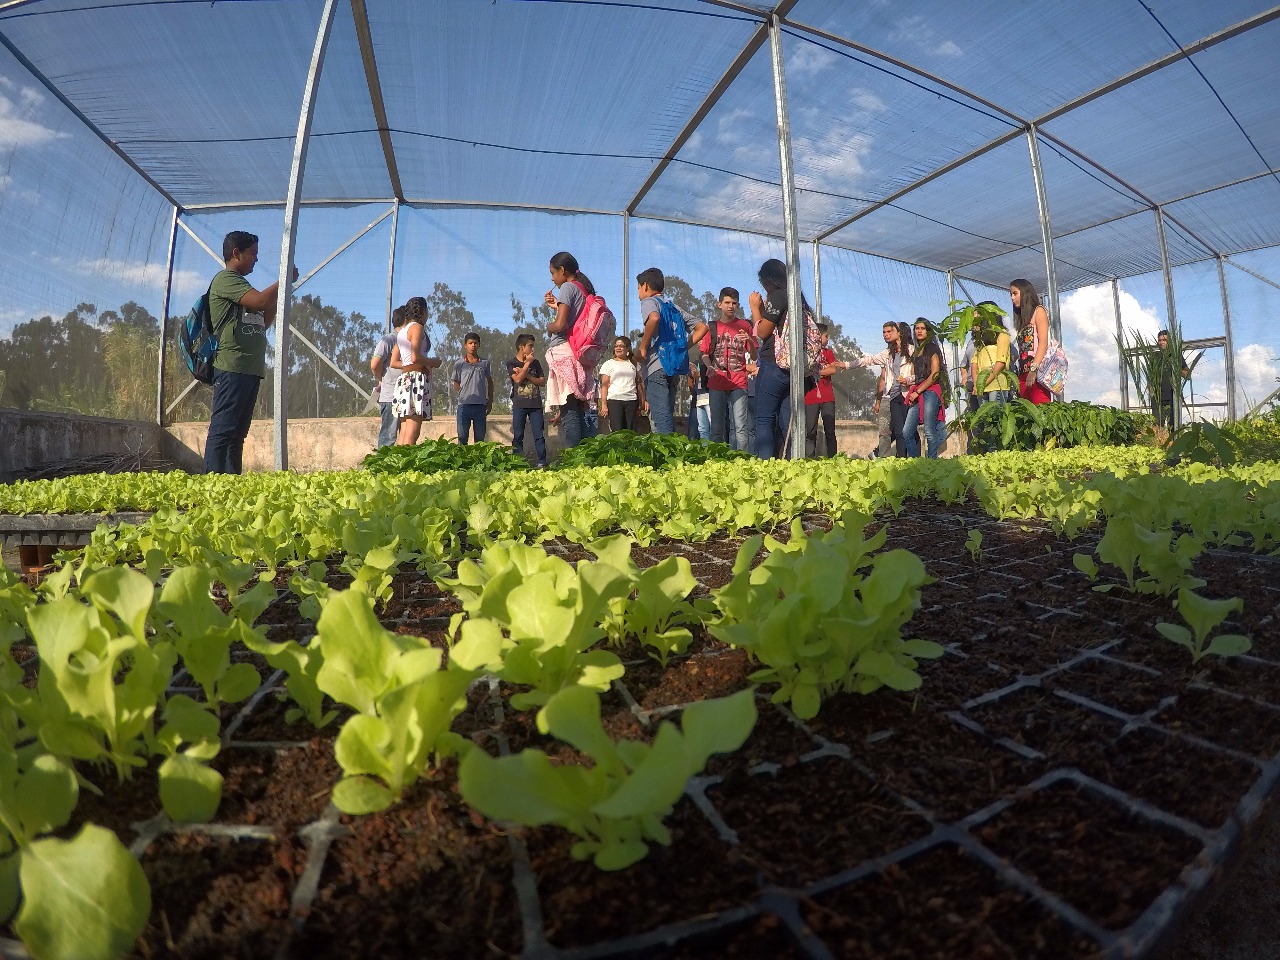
(1137, 74)
(365, 38)
(89, 124)
(712, 98)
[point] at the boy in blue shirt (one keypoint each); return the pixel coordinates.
(473, 384)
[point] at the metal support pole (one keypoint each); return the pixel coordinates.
(626, 273)
(1124, 367)
(817, 280)
(1046, 235)
(1229, 348)
(955, 348)
(795, 300)
(164, 317)
(285, 292)
(391, 258)
(1170, 304)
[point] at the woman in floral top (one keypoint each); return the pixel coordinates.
(1032, 338)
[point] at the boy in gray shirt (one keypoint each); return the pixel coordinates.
(473, 384)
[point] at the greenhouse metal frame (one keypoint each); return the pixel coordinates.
(1224, 200)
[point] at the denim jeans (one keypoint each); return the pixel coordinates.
(726, 406)
(897, 418)
(390, 427)
(826, 410)
(660, 391)
(471, 418)
(234, 395)
(572, 421)
(773, 409)
(934, 431)
(701, 415)
(532, 416)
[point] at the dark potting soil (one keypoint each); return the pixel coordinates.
(1107, 862)
(940, 905)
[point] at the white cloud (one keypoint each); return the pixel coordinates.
(1257, 367)
(810, 60)
(1089, 336)
(18, 126)
(147, 276)
(919, 32)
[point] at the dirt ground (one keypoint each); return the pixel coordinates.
(1243, 921)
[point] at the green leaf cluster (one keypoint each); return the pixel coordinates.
(433, 456)
(658, 613)
(532, 619)
(659, 451)
(1023, 425)
(1204, 615)
(405, 703)
(824, 613)
(617, 804)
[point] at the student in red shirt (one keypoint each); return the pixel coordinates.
(726, 346)
(822, 400)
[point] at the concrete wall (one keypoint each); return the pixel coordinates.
(31, 439)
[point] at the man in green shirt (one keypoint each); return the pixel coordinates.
(240, 316)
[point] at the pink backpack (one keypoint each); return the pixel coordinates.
(593, 331)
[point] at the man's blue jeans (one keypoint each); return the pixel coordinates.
(935, 432)
(234, 395)
(726, 406)
(471, 416)
(389, 431)
(660, 391)
(573, 421)
(533, 417)
(773, 411)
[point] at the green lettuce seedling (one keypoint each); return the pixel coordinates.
(658, 613)
(817, 623)
(549, 613)
(100, 679)
(190, 790)
(186, 615)
(616, 806)
(406, 703)
(80, 899)
(1204, 615)
(1131, 547)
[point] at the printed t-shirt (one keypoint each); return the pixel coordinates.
(622, 379)
(242, 336)
(727, 370)
(525, 393)
(824, 392)
(474, 378)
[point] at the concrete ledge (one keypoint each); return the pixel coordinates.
(30, 439)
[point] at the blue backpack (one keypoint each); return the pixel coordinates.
(199, 345)
(673, 340)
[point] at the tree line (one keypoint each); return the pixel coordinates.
(105, 363)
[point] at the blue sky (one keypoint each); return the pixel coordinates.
(78, 225)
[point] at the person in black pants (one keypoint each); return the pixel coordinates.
(893, 364)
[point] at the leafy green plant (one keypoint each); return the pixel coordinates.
(538, 617)
(974, 545)
(432, 456)
(1200, 442)
(1021, 425)
(658, 613)
(616, 805)
(1144, 360)
(1203, 615)
(186, 615)
(1133, 547)
(648, 450)
(190, 790)
(100, 679)
(85, 898)
(817, 622)
(405, 702)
